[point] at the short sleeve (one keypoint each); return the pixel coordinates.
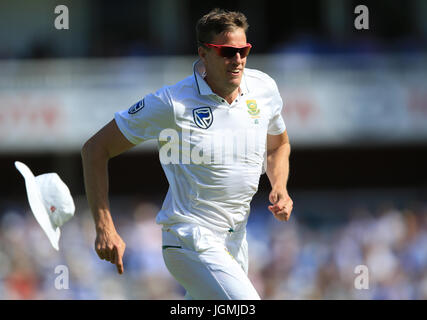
(276, 125)
(147, 118)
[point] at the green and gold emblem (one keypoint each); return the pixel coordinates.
(252, 107)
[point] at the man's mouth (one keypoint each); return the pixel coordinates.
(235, 72)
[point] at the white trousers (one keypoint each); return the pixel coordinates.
(208, 264)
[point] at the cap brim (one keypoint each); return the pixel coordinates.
(37, 206)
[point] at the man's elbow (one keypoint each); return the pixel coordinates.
(86, 149)
(286, 144)
(288, 147)
(92, 150)
(283, 147)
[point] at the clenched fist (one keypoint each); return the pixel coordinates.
(281, 206)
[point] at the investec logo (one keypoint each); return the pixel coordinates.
(227, 146)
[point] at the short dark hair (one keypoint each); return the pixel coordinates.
(218, 21)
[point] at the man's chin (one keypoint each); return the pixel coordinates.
(235, 82)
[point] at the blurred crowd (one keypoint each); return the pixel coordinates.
(292, 260)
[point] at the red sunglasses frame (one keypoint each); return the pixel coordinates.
(219, 51)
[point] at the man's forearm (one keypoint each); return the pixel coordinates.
(278, 166)
(95, 172)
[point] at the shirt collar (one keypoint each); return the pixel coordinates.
(203, 87)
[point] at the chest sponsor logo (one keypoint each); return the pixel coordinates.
(203, 117)
(136, 107)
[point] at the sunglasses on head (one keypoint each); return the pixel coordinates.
(229, 51)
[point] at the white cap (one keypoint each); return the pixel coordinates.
(50, 201)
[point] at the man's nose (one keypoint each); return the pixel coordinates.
(237, 58)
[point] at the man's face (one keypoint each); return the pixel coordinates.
(224, 73)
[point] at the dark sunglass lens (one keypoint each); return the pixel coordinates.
(244, 51)
(228, 52)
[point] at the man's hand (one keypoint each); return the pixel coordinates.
(281, 206)
(110, 246)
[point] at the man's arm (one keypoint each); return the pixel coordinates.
(278, 151)
(104, 145)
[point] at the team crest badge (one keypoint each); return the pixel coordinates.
(136, 107)
(252, 107)
(253, 110)
(203, 117)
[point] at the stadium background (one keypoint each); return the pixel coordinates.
(356, 111)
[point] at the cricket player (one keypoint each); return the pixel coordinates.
(205, 211)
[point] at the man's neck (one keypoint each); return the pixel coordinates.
(228, 95)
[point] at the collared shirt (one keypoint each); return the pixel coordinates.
(212, 152)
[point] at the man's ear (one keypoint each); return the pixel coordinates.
(202, 53)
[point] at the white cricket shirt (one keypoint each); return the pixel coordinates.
(212, 152)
